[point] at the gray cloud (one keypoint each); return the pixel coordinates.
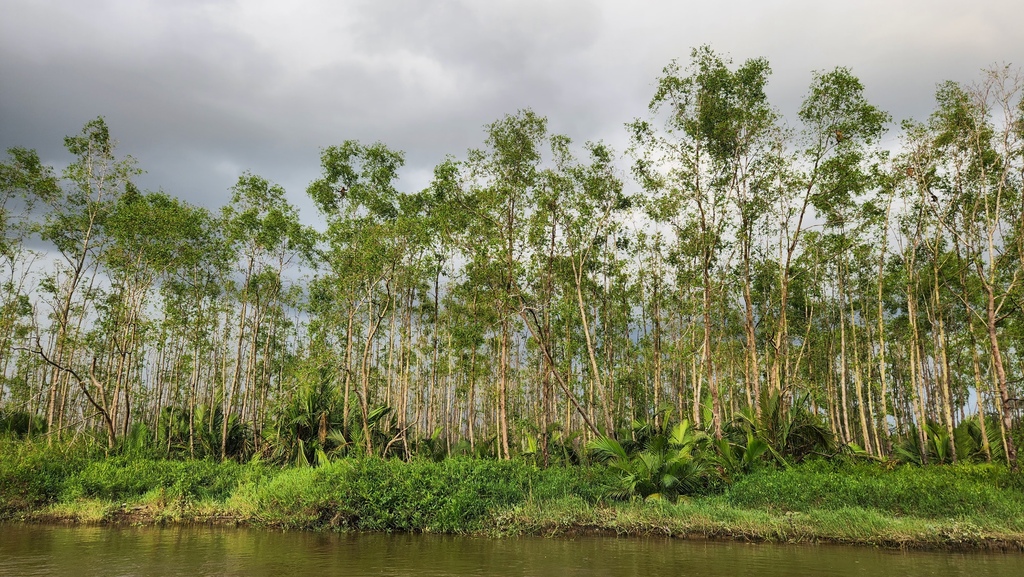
(199, 91)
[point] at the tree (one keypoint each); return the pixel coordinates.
(717, 128)
(356, 194)
(24, 180)
(978, 137)
(74, 225)
(503, 178)
(264, 228)
(840, 126)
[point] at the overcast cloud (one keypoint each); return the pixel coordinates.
(199, 91)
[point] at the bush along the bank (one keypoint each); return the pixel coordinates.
(776, 460)
(127, 477)
(32, 475)
(454, 495)
(727, 483)
(659, 461)
(946, 491)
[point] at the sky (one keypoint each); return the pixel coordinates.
(200, 91)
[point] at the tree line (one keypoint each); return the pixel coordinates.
(537, 295)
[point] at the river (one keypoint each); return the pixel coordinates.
(30, 550)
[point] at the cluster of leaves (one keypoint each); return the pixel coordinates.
(454, 495)
(969, 443)
(31, 474)
(126, 476)
(20, 424)
(172, 435)
(934, 492)
(660, 463)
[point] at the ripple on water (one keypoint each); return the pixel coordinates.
(33, 550)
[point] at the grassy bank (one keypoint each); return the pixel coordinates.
(964, 506)
(969, 506)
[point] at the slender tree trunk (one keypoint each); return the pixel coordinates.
(716, 402)
(1000, 372)
(978, 384)
(883, 381)
(847, 434)
(231, 390)
(859, 384)
(503, 391)
(347, 369)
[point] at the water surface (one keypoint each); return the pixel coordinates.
(30, 550)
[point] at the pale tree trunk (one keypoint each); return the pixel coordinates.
(349, 341)
(364, 399)
(947, 404)
(1000, 371)
(859, 383)
(716, 403)
(915, 376)
(595, 372)
(847, 434)
(882, 377)
(502, 416)
(976, 366)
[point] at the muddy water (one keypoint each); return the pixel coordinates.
(27, 550)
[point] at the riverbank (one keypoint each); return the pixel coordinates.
(938, 507)
(702, 518)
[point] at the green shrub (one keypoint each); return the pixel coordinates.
(127, 477)
(933, 492)
(454, 495)
(33, 475)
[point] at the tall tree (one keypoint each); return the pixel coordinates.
(264, 229)
(503, 177)
(716, 120)
(978, 134)
(356, 194)
(74, 225)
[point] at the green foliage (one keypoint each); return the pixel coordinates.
(127, 477)
(968, 441)
(934, 492)
(432, 447)
(787, 432)
(20, 424)
(455, 495)
(173, 435)
(663, 465)
(33, 475)
(309, 420)
(735, 459)
(459, 495)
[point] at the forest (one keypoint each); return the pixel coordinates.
(769, 289)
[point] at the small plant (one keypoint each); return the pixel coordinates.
(736, 459)
(967, 437)
(664, 468)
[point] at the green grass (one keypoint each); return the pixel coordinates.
(963, 505)
(935, 492)
(33, 474)
(455, 495)
(126, 477)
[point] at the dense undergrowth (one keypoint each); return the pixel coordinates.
(455, 495)
(944, 491)
(838, 499)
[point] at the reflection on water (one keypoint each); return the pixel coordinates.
(27, 550)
